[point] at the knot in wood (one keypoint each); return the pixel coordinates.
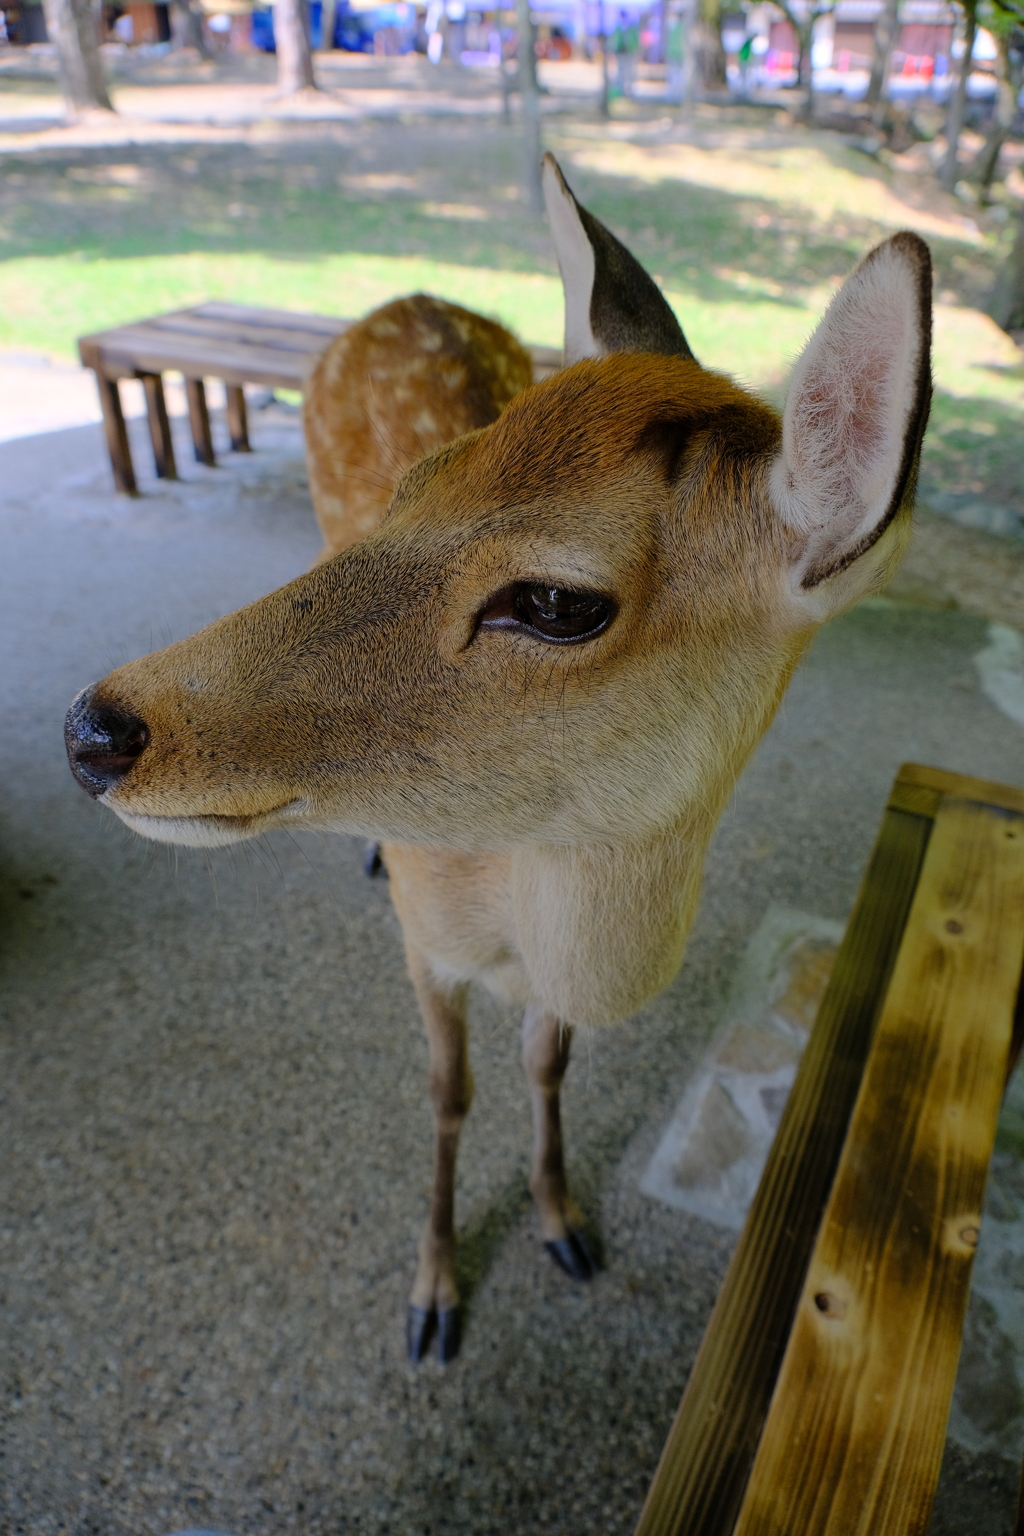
(952, 926)
(829, 1304)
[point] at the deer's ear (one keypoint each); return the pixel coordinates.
(611, 305)
(854, 419)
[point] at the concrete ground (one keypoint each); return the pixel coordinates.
(215, 1134)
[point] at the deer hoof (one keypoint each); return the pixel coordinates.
(449, 1334)
(572, 1254)
(373, 864)
(419, 1330)
(421, 1325)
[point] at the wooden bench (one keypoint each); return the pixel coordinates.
(233, 342)
(819, 1398)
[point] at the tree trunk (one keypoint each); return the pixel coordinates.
(705, 39)
(983, 170)
(73, 27)
(604, 106)
(803, 31)
(955, 117)
(886, 32)
(526, 56)
(191, 31)
(806, 68)
(1007, 307)
(291, 38)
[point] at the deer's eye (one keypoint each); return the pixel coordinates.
(558, 614)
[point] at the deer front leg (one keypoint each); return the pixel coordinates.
(546, 1043)
(434, 1302)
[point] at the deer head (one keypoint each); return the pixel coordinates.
(572, 626)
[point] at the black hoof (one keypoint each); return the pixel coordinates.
(572, 1254)
(449, 1334)
(419, 1330)
(373, 864)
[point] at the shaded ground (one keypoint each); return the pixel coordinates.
(215, 1134)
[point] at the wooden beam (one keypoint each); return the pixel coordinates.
(199, 420)
(922, 789)
(159, 426)
(698, 1487)
(238, 421)
(854, 1437)
(117, 436)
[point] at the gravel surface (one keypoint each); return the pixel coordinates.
(215, 1132)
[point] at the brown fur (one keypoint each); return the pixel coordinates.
(398, 384)
(545, 808)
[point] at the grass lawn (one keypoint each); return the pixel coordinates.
(748, 228)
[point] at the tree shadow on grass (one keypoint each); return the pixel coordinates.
(392, 194)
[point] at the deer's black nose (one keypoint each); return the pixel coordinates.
(102, 742)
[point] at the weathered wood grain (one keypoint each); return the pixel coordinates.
(698, 1487)
(854, 1437)
(922, 789)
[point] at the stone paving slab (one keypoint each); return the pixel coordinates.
(711, 1157)
(213, 1123)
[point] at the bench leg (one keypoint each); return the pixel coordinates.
(117, 435)
(199, 419)
(238, 423)
(159, 426)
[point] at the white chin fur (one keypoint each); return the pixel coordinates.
(212, 831)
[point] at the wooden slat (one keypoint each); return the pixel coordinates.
(146, 349)
(921, 789)
(249, 314)
(698, 1487)
(236, 333)
(855, 1433)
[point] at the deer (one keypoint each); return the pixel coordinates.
(536, 680)
(403, 381)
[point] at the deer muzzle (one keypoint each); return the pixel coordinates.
(103, 742)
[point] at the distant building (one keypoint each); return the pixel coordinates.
(844, 44)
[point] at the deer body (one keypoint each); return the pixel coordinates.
(408, 378)
(538, 677)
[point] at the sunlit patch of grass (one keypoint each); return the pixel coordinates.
(831, 184)
(47, 302)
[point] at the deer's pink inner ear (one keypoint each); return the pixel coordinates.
(856, 411)
(848, 416)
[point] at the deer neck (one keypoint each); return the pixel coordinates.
(601, 928)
